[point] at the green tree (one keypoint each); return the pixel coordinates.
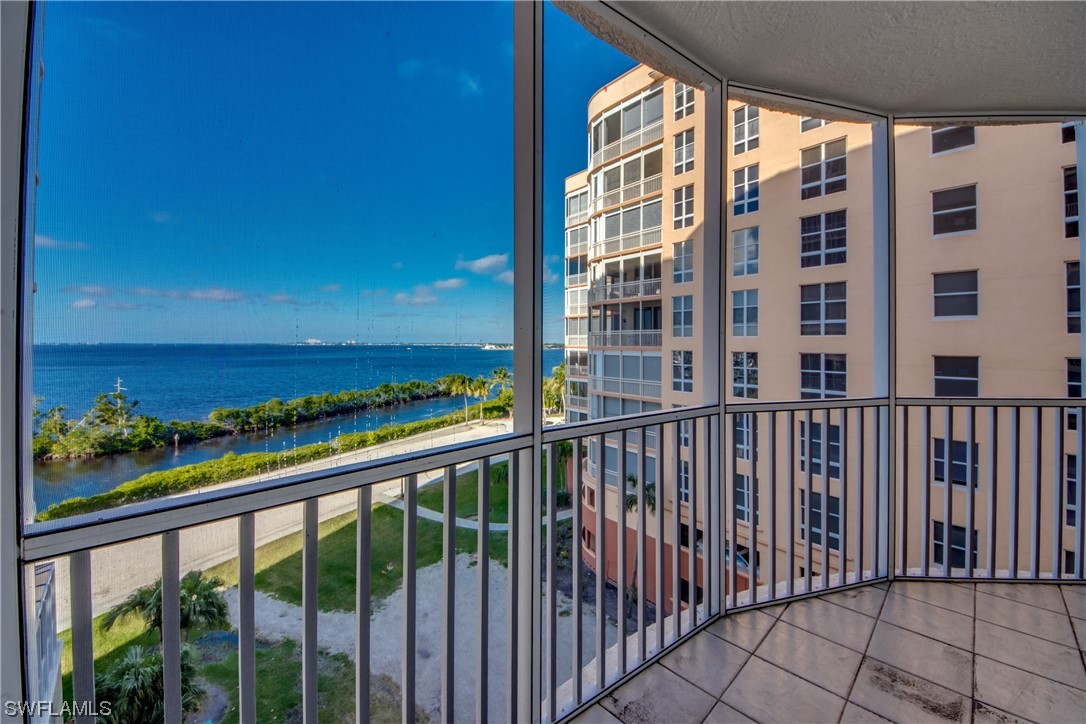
(133, 686)
(631, 498)
(501, 379)
(554, 389)
(202, 605)
(480, 390)
(113, 412)
(457, 384)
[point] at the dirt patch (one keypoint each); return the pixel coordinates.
(915, 691)
(213, 707)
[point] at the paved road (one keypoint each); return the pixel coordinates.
(119, 570)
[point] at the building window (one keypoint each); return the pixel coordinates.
(823, 239)
(809, 124)
(816, 449)
(1070, 202)
(955, 294)
(822, 309)
(954, 210)
(957, 545)
(684, 207)
(1074, 388)
(1070, 491)
(684, 432)
(741, 436)
(684, 100)
(682, 257)
(745, 313)
(746, 190)
(745, 252)
(682, 370)
(684, 481)
(1067, 132)
(822, 169)
(957, 376)
(682, 316)
(1068, 563)
(959, 462)
(1074, 299)
(948, 139)
(684, 152)
(745, 129)
(822, 376)
(743, 500)
(745, 374)
(833, 519)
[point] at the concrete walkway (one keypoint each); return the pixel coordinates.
(465, 523)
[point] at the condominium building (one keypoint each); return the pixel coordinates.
(985, 217)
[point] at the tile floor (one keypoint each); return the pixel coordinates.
(908, 652)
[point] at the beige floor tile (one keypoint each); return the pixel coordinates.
(1041, 657)
(746, 630)
(832, 622)
(924, 657)
(1075, 596)
(985, 714)
(902, 697)
(724, 714)
(854, 714)
(1022, 694)
(596, 715)
(767, 693)
(955, 598)
(1040, 595)
(1025, 618)
(1080, 632)
(658, 695)
(707, 662)
(818, 660)
(923, 618)
(867, 600)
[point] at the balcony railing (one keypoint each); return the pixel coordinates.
(574, 280)
(628, 143)
(577, 217)
(629, 192)
(576, 370)
(624, 290)
(626, 338)
(577, 401)
(626, 242)
(811, 495)
(624, 387)
(577, 248)
(576, 340)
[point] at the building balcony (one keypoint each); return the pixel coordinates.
(576, 370)
(626, 242)
(576, 280)
(628, 143)
(624, 290)
(639, 388)
(577, 402)
(629, 192)
(626, 338)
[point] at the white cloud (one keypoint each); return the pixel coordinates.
(454, 283)
(469, 84)
(398, 265)
(331, 287)
(490, 264)
(151, 292)
(163, 217)
(420, 297)
(282, 299)
(84, 304)
(48, 242)
(89, 290)
(506, 276)
(112, 304)
(215, 294)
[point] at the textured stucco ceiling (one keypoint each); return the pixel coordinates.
(905, 58)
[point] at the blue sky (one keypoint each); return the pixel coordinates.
(250, 172)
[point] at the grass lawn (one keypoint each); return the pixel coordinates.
(467, 496)
(108, 646)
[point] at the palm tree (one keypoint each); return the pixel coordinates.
(480, 389)
(554, 389)
(457, 384)
(631, 498)
(133, 686)
(202, 605)
(501, 378)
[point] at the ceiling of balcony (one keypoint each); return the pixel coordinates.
(908, 58)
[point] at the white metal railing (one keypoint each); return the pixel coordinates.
(576, 340)
(624, 290)
(577, 248)
(626, 338)
(48, 646)
(629, 192)
(574, 280)
(577, 401)
(576, 310)
(576, 370)
(620, 386)
(626, 242)
(630, 142)
(577, 217)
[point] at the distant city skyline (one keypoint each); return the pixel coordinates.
(243, 192)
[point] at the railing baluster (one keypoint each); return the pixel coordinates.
(620, 573)
(1080, 465)
(246, 618)
(752, 506)
(692, 528)
(903, 485)
(309, 611)
(842, 517)
(1035, 499)
(171, 627)
(601, 563)
(1057, 487)
(772, 506)
(79, 573)
(448, 597)
(827, 486)
(807, 442)
(710, 562)
(925, 499)
(948, 488)
(676, 552)
(790, 581)
(482, 651)
(876, 495)
(643, 480)
(363, 555)
(578, 563)
(410, 543)
(993, 469)
(970, 485)
(860, 427)
(733, 514)
(659, 538)
(551, 660)
(1012, 561)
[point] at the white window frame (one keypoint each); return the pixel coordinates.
(815, 515)
(684, 481)
(741, 435)
(957, 209)
(741, 375)
(810, 123)
(684, 100)
(1070, 477)
(744, 307)
(823, 251)
(946, 130)
(1064, 127)
(683, 206)
(1074, 319)
(745, 252)
(935, 378)
(936, 458)
(684, 151)
(823, 391)
(682, 370)
(937, 545)
(744, 129)
(741, 485)
(682, 261)
(817, 456)
(745, 186)
(1074, 389)
(1071, 214)
(936, 295)
(682, 316)
(820, 326)
(819, 186)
